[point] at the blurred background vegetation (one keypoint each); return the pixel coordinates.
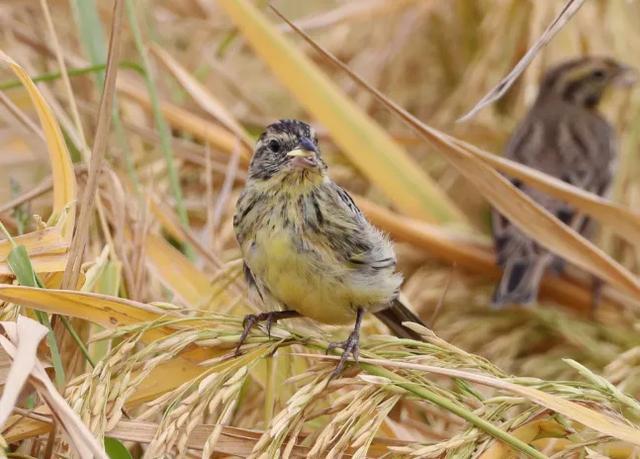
(192, 94)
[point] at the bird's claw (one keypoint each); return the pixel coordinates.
(349, 346)
(248, 323)
(251, 320)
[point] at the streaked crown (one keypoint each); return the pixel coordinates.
(583, 80)
(282, 145)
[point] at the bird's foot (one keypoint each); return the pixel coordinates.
(251, 320)
(349, 346)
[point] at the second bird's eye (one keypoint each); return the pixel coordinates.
(274, 146)
(598, 74)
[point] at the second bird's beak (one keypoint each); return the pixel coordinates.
(305, 155)
(625, 76)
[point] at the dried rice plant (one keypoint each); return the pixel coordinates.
(126, 129)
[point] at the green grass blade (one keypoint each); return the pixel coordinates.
(20, 264)
(92, 34)
(161, 124)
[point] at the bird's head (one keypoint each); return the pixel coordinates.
(582, 81)
(287, 148)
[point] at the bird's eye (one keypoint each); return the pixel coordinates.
(598, 74)
(274, 146)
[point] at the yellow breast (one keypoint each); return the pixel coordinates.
(294, 280)
(298, 265)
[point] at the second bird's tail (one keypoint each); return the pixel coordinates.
(393, 317)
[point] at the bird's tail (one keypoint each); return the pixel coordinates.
(397, 313)
(520, 282)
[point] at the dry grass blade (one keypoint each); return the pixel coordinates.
(232, 440)
(203, 97)
(65, 76)
(528, 216)
(364, 142)
(473, 256)
(49, 247)
(79, 241)
(570, 8)
(619, 219)
(184, 120)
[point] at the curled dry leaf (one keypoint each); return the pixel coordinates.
(50, 252)
(21, 342)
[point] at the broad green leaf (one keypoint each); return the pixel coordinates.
(20, 264)
(115, 449)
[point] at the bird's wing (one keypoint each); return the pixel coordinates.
(577, 148)
(251, 281)
(348, 201)
(361, 244)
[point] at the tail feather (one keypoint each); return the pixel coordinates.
(393, 317)
(520, 282)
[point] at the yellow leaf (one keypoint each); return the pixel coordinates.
(39, 242)
(177, 272)
(366, 144)
(110, 312)
(533, 430)
(64, 179)
(48, 247)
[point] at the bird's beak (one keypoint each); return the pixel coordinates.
(625, 76)
(300, 153)
(305, 155)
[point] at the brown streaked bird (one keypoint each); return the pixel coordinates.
(565, 136)
(307, 249)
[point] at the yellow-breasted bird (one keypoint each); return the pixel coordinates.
(565, 136)
(307, 249)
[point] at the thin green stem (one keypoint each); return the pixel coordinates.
(161, 124)
(454, 408)
(74, 334)
(56, 359)
(53, 76)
